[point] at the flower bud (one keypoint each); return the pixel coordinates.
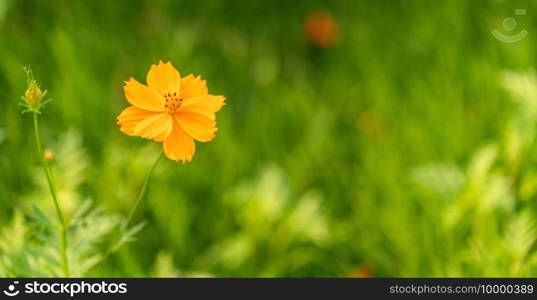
(49, 155)
(33, 96)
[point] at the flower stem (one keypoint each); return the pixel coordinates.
(114, 247)
(48, 173)
(142, 191)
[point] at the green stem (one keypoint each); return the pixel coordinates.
(113, 248)
(142, 191)
(48, 173)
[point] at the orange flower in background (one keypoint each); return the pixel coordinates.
(369, 122)
(170, 109)
(363, 271)
(321, 29)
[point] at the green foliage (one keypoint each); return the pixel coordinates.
(29, 245)
(480, 207)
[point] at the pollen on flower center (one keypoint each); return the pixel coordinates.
(173, 101)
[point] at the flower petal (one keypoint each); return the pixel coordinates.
(179, 146)
(157, 127)
(143, 96)
(206, 105)
(164, 78)
(198, 126)
(192, 86)
(131, 116)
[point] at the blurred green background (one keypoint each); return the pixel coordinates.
(405, 149)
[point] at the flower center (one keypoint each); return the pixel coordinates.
(172, 102)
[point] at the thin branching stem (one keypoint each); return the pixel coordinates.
(142, 191)
(52, 188)
(114, 247)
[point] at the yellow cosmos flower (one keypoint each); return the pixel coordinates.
(170, 109)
